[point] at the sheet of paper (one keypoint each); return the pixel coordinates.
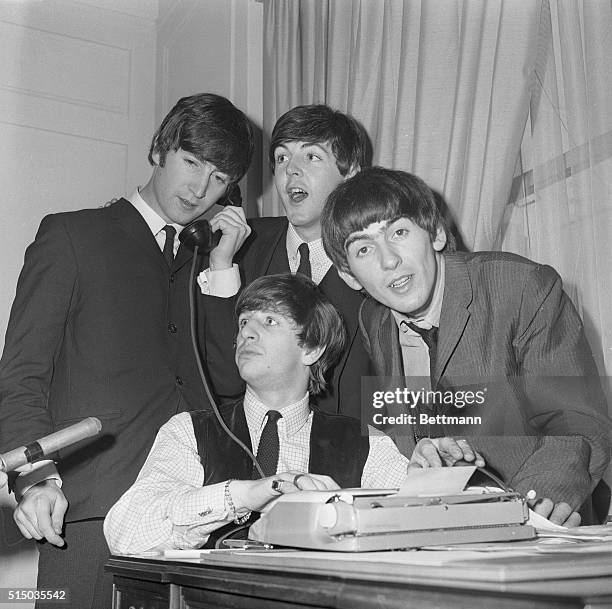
(542, 524)
(436, 481)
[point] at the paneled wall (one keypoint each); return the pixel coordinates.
(77, 110)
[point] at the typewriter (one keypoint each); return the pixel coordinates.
(363, 520)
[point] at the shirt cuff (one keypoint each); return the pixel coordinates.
(34, 473)
(201, 507)
(223, 283)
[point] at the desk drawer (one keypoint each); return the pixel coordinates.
(138, 594)
(193, 598)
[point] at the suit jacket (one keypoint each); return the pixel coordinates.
(265, 253)
(100, 327)
(506, 324)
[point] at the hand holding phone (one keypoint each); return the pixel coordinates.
(200, 233)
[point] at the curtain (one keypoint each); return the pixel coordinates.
(442, 86)
(560, 212)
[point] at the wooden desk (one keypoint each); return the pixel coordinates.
(245, 580)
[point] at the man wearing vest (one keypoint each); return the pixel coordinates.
(197, 479)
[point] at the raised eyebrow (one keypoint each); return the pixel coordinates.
(355, 237)
(317, 145)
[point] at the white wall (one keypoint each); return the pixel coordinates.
(214, 46)
(77, 110)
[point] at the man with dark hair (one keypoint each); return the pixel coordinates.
(312, 150)
(493, 321)
(100, 327)
(197, 478)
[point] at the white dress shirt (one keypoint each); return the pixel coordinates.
(319, 262)
(167, 507)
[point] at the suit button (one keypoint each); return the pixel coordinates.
(179, 380)
(172, 278)
(171, 328)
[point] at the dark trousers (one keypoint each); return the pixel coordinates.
(78, 567)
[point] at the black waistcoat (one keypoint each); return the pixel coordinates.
(337, 448)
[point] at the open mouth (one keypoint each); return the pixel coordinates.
(296, 194)
(187, 204)
(401, 282)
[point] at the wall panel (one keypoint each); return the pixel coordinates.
(77, 111)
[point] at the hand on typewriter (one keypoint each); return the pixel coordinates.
(440, 452)
(301, 481)
(559, 513)
(255, 494)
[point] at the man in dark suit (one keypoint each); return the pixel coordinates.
(505, 329)
(312, 150)
(100, 327)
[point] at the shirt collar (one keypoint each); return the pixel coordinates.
(294, 415)
(431, 317)
(315, 248)
(154, 221)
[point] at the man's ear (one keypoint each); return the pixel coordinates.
(350, 280)
(440, 241)
(310, 356)
(155, 156)
(353, 170)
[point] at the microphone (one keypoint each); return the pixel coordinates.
(41, 449)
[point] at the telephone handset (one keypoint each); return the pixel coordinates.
(199, 233)
(199, 237)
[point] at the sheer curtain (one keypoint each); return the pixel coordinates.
(560, 212)
(442, 86)
(456, 91)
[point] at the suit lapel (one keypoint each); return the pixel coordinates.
(382, 335)
(455, 314)
(132, 223)
(388, 343)
(276, 261)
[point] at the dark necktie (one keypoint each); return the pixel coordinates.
(430, 338)
(304, 267)
(169, 244)
(267, 451)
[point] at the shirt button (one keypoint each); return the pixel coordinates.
(171, 328)
(179, 380)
